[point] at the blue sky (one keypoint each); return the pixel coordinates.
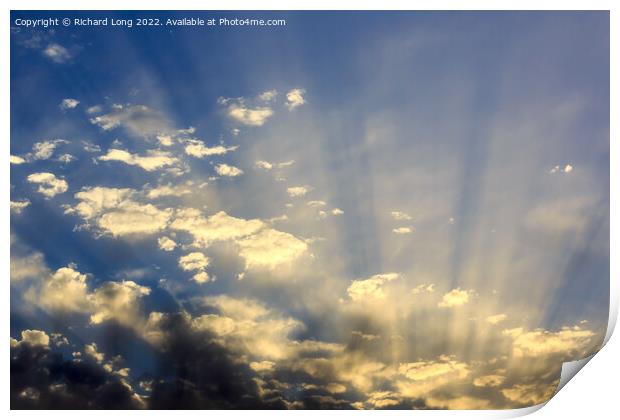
(414, 202)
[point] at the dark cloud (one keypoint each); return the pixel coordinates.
(41, 379)
(197, 373)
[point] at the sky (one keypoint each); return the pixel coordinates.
(360, 210)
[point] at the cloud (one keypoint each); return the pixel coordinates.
(262, 164)
(114, 211)
(168, 191)
(57, 53)
(259, 245)
(90, 147)
(270, 249)
(405, 230)
(18, 206)
(48, 184)
(138, 120)
(299, 191)
(202, 277)
(371, 288)
(454, 298)
(569, 342)
(268, 95)
(45, 149)
(217, 227)
(337, 212)
(66, 158)
(489, 381)
(568, 168)
(423, 288)
(166, 244)
(198, 149)
(155, 159)
(223, 169)
(17, 160)
(530, 394)
(295, 98)
(194, 261)
(68, 103)
(117, 301)
(399, 215)
(67, 291)
(44, 380)
(316, 203)
(420, 378)
(237, 110)
(64, 291)
(26, 264)
(459, 403)
(496, 319)
(32, 338)
(95, 109)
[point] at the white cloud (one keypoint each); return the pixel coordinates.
(134, 219)
(118, 301)
(155, 159)
(425, 376)
(237, 110)
(337, 212)
(295, 98)
(490, 381)
(166, 244)
(138, 120)
(194, 261)
(423, 288)
(115, 212)
(223, 169)
(371, 288)
(18, 206)
(198, 149)
(90, 147)
(561, 169)
(95, 109)
(399, 215)
(270, 248)
(316, 203)
(262, 164)
(299, 191)
(17, 160)
(168, 191)
(66, 158)
(32, 337)
(57, 53)
(218, 227)
(454, 298)
(530, 394)
(27, 266)
(65, 291)
(91, 350)
(68, 103)
(405, 230)
(568, 342)
(259, 245)
(496, 319)
(202, 277)
(268, 95)
(45, 149)
(48, 184)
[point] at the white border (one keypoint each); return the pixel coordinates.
(594, 392)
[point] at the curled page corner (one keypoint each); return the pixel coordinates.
(570, 369)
